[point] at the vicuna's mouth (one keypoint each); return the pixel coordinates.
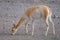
(12, 33)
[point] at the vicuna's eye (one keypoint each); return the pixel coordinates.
(12, 30)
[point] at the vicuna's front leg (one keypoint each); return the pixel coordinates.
(33, 27)
(26, 25)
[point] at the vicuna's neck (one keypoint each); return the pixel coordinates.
(20, 22)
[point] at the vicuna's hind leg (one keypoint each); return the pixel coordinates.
(47, 25)
(50, 19)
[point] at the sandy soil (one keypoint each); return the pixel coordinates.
(13, 10)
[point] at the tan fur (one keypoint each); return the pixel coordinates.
(29, 11)
(46, 13)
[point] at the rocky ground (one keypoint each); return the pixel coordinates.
(13, 10)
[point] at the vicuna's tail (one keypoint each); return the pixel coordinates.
(20, 22)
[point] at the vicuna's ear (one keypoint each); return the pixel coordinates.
(13, 23)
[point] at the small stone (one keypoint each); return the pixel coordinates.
(54, 16)
(0, 1)
(3, 27)
(8, 1)
(58, 23)
(58, 17)
(53, 1)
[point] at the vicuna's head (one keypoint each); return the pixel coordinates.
(13, 29)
